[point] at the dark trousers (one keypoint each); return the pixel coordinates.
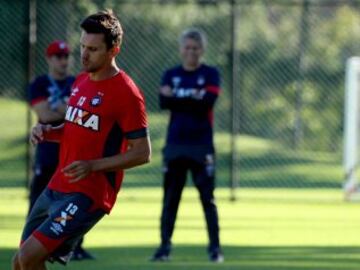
(174, 182)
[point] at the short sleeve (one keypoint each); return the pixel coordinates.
(133, 118)
(166, 79)
(37, 91)
(214, 77)
(213, 82)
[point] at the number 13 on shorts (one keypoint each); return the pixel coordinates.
(71, 209)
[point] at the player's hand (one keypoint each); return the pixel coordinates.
(198, 94)
(166, 91)
(37, 133)
(77, 170)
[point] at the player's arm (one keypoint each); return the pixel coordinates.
(138, 153)
(201, 100)
(40, 133)
(165, 97)
(46, 115)
(165, 92)
(40, 102)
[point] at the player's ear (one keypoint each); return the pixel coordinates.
(115, 50)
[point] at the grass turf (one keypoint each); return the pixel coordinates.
(261, 162)
(266, 229)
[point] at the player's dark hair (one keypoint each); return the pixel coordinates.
(107, 23)
(194, 34)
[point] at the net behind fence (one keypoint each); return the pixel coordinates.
(287, 103)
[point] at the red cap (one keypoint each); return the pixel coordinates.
(57, 47)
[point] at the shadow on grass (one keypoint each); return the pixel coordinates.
(236, 257)
(267, 169)
(12, 166)
(18, 141)
(288, 169)
(12, 171)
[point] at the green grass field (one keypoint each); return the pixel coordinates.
(282, 224)
(262, 163)
(264, 230)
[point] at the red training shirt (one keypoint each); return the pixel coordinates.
(100, 116)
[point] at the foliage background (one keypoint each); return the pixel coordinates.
(282, 65)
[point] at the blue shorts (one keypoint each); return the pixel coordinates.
(59, 220)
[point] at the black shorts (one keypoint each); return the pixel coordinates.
(59, 220)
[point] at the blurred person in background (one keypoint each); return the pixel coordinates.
(48, 95)
(189, 91)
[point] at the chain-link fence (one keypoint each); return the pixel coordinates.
(279, 119)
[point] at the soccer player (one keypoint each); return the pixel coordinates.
(48, 95)
(105, 132)
(189, 91)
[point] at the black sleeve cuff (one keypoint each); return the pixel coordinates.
(136, 134)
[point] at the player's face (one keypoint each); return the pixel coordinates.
(94, 53)
(58, 63)
(191, 52)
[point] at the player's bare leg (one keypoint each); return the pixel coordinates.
(31, 256)
(15, 262)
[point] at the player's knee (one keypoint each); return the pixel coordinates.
(23, 260)
(26, 261)
(15, 262)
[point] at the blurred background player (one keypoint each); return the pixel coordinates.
(189, 91)
(48, 95)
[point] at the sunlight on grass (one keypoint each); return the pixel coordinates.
(264, 229)
(260, 162)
